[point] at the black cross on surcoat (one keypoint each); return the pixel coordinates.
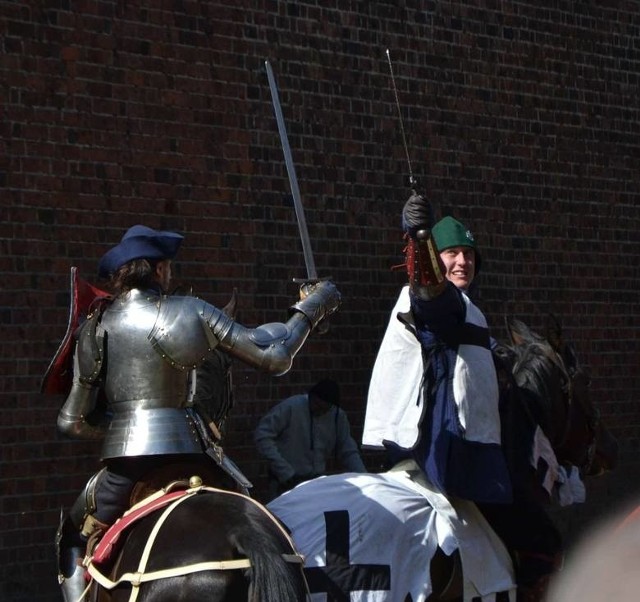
(339, 577)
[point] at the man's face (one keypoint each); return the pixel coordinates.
(163, 274)
(460, 265)
(318, 406)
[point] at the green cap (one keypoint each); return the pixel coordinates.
(449, 232)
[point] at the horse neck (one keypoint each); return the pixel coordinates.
(543, 379)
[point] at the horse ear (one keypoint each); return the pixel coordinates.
(518, 331)
(570, 358)
(505, 321)
(554, 332)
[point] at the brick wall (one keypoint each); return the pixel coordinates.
(522, 121)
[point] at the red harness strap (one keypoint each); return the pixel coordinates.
(107, 544)
(141, 575)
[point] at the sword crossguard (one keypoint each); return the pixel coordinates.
(311, 280)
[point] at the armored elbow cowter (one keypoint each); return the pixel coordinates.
(81, 401)
(72, 417)
(270, 347)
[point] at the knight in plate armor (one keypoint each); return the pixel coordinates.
(135, 358)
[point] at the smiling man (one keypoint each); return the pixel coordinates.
(443, 411)
(458, 252)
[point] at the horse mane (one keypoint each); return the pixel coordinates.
(539, 372)
(533, 372)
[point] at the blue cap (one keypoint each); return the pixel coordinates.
(139, 242)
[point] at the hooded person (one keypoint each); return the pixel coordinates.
(138, 352)
(299, 435)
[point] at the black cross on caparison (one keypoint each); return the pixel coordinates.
(339, 577)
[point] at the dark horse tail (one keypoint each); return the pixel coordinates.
(272, 576)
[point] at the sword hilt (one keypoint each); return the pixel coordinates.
(323, 327)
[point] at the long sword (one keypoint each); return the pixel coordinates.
(312, 273)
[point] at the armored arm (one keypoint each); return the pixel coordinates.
(272, 347)
(188, 329)
(81, 401)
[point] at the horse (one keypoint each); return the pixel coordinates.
(202, 543)
(586, 443)
(563, 409)
(541, 387)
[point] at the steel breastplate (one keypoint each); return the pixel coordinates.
(148, 392)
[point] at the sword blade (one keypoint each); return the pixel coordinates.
(312, 273)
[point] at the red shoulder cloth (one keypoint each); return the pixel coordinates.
(84, 298)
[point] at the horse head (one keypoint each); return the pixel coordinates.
(539, 371)
(548, 368)
(601, 453)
